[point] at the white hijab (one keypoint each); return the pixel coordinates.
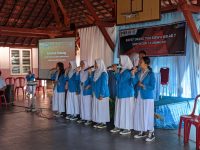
(125, 62)
(72, 69)
(84, 74)
(100, 70)
(135, 59)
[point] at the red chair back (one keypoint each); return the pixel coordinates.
(195, 105)
(2, 93)
(20, 82)
(164, 74)
(39, 83)
(10, 80)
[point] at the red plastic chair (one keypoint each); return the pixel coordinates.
(196, 123)
(164, 77)
(40, 86)
(10, 80)
(19, 84)
(188, 119)
(2, 95)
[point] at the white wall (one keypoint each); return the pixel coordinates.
(5, 61)
(35, 58)
(4, 57)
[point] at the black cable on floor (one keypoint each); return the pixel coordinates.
(40, 113)
(27, 107)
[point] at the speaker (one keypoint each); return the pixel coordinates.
(72, 26)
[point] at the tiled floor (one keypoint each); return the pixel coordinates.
(20, 130)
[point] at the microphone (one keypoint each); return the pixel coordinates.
(118, 66)
(134, 68)
(52, 69)
(89, 68)
(109, 67)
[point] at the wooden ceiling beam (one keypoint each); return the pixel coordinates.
(10, 13)
(169, 9)
(67, 34)
(10, 34)
(44, 16)
(89, 19)
(34, 33)
(191, 8)
(64, 12)
(172, 7)
(55, 13)
(105, 24)
(90, 8)
(20, 14)
(18, 46)
(38, 14)
(187, 12)
(27, 31)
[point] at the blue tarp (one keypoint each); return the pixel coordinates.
(170, 109)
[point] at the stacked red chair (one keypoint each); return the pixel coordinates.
(19, 84)
(10, 81)
(40, 86)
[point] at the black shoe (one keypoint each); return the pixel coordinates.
(88, 123)
(63, 114)
(115, 130)
(150, 137)
(125, 132)
(101, 126)
(96, 125)
(68, 117)
(80, 121)
(73, 118)
(140, 135)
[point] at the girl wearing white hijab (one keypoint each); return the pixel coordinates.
(85, 98)
(72, 103)
(100, 109)
(124, 104)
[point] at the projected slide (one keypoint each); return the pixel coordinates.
(52, 51)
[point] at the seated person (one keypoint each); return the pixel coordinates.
(2, 83)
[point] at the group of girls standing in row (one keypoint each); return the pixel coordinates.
(88, 96)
